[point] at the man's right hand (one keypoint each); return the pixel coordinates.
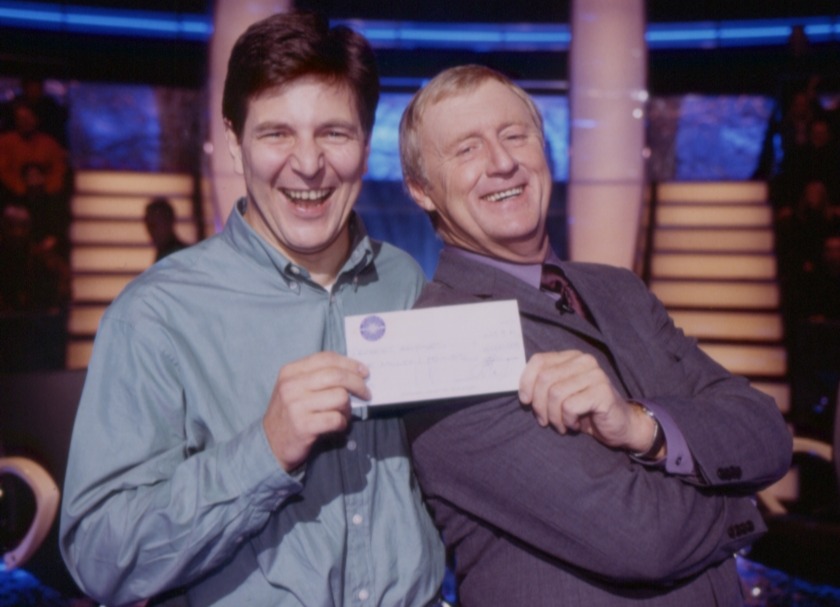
(311, 398)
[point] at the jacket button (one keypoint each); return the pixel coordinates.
(739, 529)
(729, 473)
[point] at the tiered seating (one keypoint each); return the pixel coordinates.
(713, 265)
(110, 245)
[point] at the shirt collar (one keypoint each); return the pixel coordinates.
(529, 273)
(243, 238)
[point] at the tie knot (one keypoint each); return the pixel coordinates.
(552, 279)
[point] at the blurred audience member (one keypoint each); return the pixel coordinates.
(52, 115)
(802, 229)
(794, 132)
(817, 297)
(160, 223)
(50, 212)
(32, 278)
(34, 297)
(27, 145)
(821, 158)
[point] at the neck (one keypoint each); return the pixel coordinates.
(324, 266)
(525, 253)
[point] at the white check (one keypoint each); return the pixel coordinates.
(438, 353)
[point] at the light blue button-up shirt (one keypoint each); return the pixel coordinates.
(171, 482)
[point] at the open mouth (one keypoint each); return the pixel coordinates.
(308, 196)
(504, 194)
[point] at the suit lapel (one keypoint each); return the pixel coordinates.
(484, 282)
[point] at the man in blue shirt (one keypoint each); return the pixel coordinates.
(214, 454)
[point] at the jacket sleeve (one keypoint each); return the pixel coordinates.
(144, 511)
(569, 497)
(735, 434)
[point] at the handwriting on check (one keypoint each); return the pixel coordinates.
(438, 353)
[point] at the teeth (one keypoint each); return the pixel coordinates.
(504, 194)
(308, 195)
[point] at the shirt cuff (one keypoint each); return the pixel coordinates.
(678, 458)
(257, 470)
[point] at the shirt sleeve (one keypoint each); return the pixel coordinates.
(145, 511)
(678, 459)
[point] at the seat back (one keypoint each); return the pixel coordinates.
(37, 410)
(46, 504)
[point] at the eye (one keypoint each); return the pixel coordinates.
(337, 135)
(273, 135)
(466, 149)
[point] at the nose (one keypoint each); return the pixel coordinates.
(501, 161)
(307, 157)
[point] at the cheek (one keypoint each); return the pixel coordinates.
(462, 180)
(265, 162)
(349, 165)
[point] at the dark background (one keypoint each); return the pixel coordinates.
(183, 63)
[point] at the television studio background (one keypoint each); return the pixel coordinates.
(701, 189)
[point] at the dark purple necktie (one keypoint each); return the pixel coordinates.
(554, 281)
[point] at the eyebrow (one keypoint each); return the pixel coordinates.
(270, 125)
(477, 134)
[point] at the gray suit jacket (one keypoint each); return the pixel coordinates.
(534, 518)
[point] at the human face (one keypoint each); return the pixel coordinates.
(486, 173)
(303, 154)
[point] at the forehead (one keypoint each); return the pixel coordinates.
(306, 95)
(490, 105)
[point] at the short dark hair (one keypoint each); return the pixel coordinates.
(287, 46)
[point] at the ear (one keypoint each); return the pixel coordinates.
(235, 148)
(420, 197)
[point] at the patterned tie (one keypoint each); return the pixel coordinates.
(554, 281)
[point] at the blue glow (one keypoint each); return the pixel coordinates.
(684, 33)
(467, 35)
(104, 21)
(24, 16)
(393, 34)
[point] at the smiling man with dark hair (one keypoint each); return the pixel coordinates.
(214, 453)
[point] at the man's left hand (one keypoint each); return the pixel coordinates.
(568, 390)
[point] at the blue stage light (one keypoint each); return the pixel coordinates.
(64, 16)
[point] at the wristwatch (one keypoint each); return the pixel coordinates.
(658, 437)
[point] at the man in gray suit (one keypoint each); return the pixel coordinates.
(620, 473)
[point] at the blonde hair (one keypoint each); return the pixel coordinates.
(448, 83)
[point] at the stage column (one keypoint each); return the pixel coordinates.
(608, 93)
(230, 19)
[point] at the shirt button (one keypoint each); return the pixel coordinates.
(363, 595)
(351, 445)
(357, 519)
(294, 270)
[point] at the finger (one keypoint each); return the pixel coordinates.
(569, 392)
(322, 360)
(552, 387)
(535, 367)
(296, 383)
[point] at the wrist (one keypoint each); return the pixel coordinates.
(656, 445)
